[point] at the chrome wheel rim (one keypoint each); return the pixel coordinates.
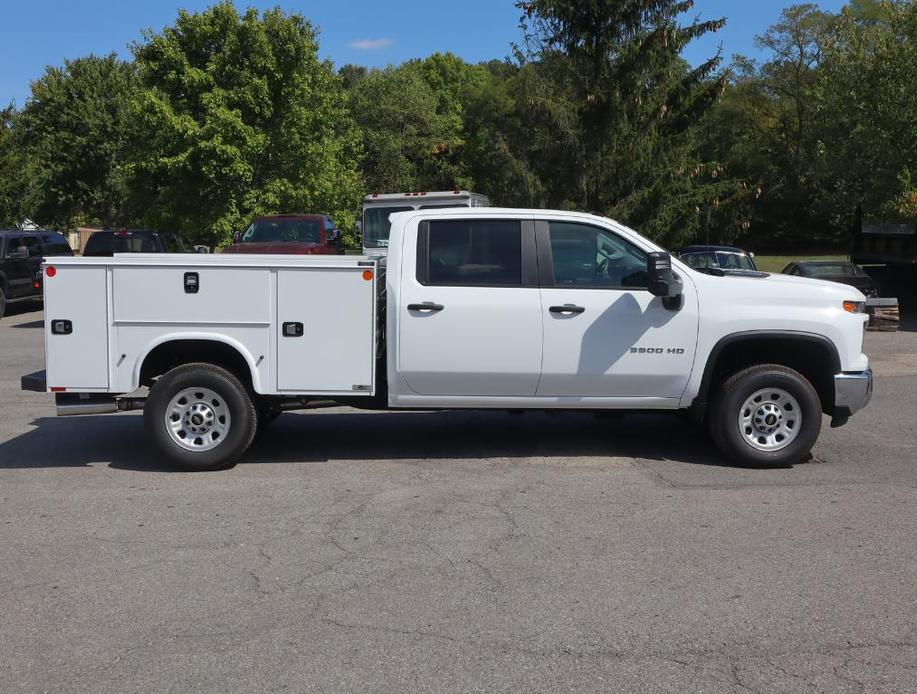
(770, 419)
(197, 419)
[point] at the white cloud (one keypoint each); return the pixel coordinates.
(370, 44)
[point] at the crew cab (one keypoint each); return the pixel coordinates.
(475, 308)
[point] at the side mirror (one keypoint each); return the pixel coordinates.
(358, 232)
(201, 249)
(237, 237)
(662, 281)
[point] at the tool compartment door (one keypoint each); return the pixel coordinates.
(76, 327)
(325, 330)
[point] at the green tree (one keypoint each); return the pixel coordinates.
(73, 135)
(239, 117)
(412, 119)
(624, 111)
(13, 170)
(502, 145)
(824, 123)
(867, 139)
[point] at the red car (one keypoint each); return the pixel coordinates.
(292, 234)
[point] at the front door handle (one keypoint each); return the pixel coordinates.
(567, 308)
(426, 306)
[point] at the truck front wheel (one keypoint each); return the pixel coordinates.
(766, 416)
(200, 417)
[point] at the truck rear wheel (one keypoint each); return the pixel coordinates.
(766, 416)
(200, 417)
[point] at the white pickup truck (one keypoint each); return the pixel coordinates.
(475, 308)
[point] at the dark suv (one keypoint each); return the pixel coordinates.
(20, 263)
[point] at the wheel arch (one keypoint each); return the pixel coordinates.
(814, 356)
(169, 351)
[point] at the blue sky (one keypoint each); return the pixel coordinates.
(36, 33)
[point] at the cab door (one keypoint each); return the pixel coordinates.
(469, 309)
(605, 335)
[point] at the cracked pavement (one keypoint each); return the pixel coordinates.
(356, 551)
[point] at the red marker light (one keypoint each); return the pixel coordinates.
(57, 389)
(50, 271)
(367, 275)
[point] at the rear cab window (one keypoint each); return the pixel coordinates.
(56, 244)
(471, 252)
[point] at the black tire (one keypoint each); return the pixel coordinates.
(234, 396)
(725, 429)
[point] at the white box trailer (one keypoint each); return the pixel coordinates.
(289, 318)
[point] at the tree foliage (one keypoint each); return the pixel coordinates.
(413, 123)
(12, 170)
(239, 117)
(225, 115)
(72, 137)
(867, 134)
(624, 109)
(822, 124)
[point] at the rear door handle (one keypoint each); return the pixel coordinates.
(567, 308)
(426, 306)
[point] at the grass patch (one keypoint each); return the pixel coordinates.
(775, 263)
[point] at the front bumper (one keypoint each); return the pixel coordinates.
(852, 392)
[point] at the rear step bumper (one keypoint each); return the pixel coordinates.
(36, 382)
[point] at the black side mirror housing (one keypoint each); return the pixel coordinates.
(662, 280)
(237, 237)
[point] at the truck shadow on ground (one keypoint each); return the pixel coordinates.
(341, 435)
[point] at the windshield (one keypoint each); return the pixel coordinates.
(273, 230)
(376, 225)
(107, 242)
(724, 260)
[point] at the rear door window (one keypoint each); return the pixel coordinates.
(471, 253)
(30, 243)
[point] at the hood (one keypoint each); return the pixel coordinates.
(800, 290)
(861, 283)
(811, 282)
(274, 248)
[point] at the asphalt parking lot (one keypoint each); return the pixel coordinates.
(465, 552)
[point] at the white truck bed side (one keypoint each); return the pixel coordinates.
(120, 309)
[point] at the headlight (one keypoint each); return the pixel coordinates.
(855, 306)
